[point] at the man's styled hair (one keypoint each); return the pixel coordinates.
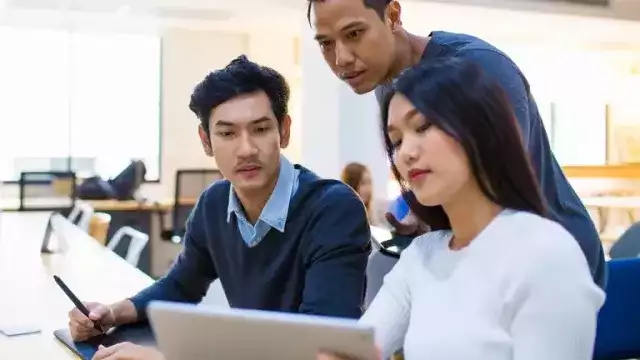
(239, 77)
(379, 6)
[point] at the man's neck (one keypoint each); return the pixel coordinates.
(409, 51)
(253, 202)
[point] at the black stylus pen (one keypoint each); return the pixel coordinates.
(83, 309)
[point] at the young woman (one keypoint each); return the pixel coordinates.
(358, 177)
(494, 279)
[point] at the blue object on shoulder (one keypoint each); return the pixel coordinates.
(399, 208)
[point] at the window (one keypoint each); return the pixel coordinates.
(579, 133)
(89, 102)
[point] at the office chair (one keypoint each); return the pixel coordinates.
(628, 244)
(81, 215)
(618, 331)
(380, 262)
(137, 243)
(190, 183)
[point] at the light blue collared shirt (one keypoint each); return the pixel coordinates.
(274, 214)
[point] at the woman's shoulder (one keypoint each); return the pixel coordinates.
(540, 241)
(429, 242)
(538, 232)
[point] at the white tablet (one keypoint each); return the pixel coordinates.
(194, 332)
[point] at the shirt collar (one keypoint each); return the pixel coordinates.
(276, 209)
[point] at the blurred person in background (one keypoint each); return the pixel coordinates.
(358, 177)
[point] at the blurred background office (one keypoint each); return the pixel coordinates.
(88, 86)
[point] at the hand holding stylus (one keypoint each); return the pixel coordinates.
(86, 319)
(83, 327)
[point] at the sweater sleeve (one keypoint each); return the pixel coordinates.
(390, 310)
(338, 246)
(508, 76)
(556, 304)
(192, 272)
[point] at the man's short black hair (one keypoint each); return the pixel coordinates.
(379, 6)
(239, 77)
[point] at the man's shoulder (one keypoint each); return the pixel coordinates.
(335, 191)
(457, 42)
(327, 191)
(470, 47)
(324, 196)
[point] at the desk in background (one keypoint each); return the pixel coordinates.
(148, 217)
(29, 294)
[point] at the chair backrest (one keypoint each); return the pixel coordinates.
(628, 244)
(81, 215)
(378, 266)
(618, 332)
(137, 243)
(44, 190)
(190, 183)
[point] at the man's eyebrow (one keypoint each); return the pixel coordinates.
(260, 120)
(352, 25)
(349, 26)
(223, 123)
(229, 123)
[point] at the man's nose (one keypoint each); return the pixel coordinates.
(246, 147)
(344, 56)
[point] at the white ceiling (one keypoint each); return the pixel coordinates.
(220, 10)
(499, 17)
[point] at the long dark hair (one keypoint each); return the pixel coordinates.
(460, 99)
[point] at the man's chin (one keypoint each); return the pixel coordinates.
(362, 89)
(248, 185)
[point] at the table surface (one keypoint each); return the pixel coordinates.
(29, 295)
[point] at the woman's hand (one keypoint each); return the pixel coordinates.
(410, 225)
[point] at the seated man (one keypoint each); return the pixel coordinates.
(276, 235)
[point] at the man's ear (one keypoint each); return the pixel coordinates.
(205, 140)
(392, 16)
(285, 131)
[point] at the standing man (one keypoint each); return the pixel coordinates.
(365, 45)
(277, 236)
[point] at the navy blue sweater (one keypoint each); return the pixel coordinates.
(316, 266)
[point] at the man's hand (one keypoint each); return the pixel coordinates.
(127, 351)
(409, 226)
(81, 327)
